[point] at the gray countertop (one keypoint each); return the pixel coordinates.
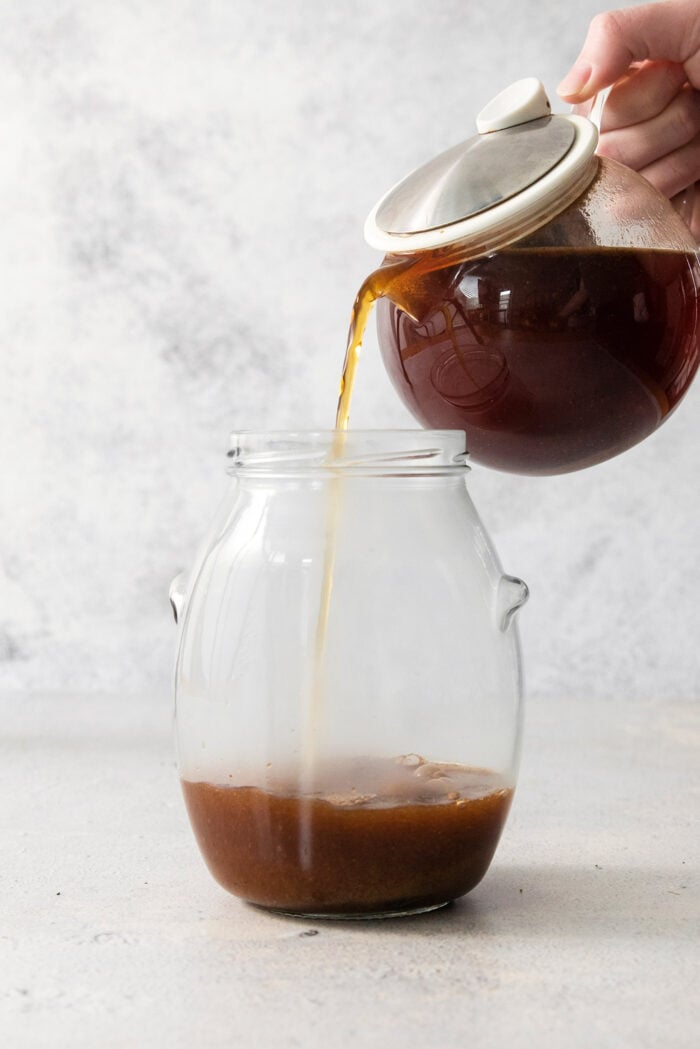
(583, 933)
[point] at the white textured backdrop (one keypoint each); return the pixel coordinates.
(182, 190)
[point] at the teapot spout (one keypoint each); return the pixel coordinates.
(512, 595)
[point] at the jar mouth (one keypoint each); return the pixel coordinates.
(348, 451)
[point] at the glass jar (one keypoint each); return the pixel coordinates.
(348, 685)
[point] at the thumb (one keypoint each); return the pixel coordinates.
(667, 31)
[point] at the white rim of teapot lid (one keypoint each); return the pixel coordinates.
(522, 103)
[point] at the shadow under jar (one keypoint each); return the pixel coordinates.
(348, 703)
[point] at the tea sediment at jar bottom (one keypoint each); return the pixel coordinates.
(369, 836)
(550, 359)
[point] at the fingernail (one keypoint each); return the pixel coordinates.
(575, 80)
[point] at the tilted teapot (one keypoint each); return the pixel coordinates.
(535, 295)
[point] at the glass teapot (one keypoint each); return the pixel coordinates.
(348, 686)
(541, 298)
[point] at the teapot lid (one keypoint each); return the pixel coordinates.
(525, 166)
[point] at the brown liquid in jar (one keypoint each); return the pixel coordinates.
(550, 359)
(380, 836)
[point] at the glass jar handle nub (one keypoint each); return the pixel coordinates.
(512, 595)
(177, 593)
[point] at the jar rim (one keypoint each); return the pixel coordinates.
(399, 451)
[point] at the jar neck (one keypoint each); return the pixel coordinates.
(337, 453)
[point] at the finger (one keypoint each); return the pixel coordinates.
(645, 93)
(667, 31)
(643, 143)
(674, 172)
(585, 109)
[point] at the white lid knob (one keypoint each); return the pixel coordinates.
(523, 101)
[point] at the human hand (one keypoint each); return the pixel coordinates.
(651, 120)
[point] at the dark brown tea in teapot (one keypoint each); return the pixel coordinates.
(550, 359)
(380, 836)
